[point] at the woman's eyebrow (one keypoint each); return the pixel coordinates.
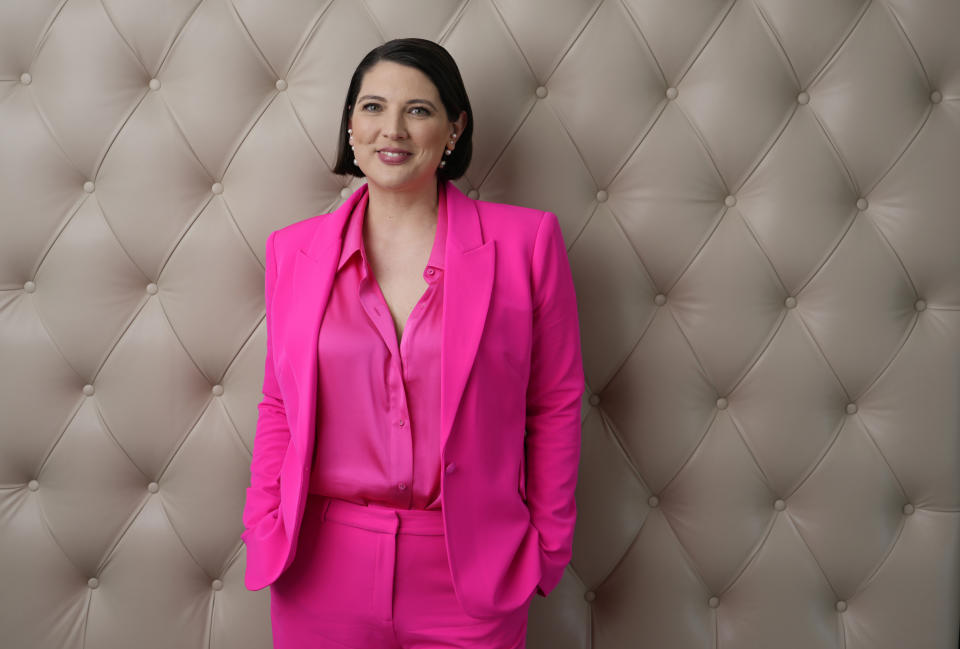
(411, 101)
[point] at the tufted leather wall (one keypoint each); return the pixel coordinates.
(760, 202)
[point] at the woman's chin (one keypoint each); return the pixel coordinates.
(400, 179)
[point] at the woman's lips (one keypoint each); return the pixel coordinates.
(393, 157)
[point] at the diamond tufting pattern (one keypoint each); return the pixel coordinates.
(759, 199)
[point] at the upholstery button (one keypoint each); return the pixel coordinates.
(217, 389)
(862, 204)
(803, 98)
(713, 602)
(25, 78)
(217, 584)
(589, 596)
(93, 582)
(402, 486)
(88, 390)
(33, 485)
(451, 467)
(89, 187)
(152, 288)
(779, 505)
(541, 92)
(722, 403)
(671, 93)
(281, 84)
(920, 305)
(851, 408)
(730, 201)
(154, 84)
(345, 192)
(594, 399)
(602, 196)
(653, 501)
(841, 606)
(153, 487)
(659, 299)
(790, 302)
(908, 509)
(29, 286)
(936, 97)
(217, 188)
(474, 194)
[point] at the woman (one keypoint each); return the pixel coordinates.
(415, 460)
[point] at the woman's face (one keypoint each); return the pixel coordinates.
(400, 128)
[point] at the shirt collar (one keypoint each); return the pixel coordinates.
(353, 238)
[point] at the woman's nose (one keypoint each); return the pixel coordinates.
(394, 126)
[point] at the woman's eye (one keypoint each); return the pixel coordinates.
(368, 107)
(423, 111)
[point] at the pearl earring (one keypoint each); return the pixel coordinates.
(350, 133)
(446, 151)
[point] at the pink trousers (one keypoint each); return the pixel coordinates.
(377, 578)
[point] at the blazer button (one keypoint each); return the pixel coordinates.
(451, 467)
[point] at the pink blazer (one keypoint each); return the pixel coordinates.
(511, 388)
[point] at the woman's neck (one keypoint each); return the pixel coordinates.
(390, 211)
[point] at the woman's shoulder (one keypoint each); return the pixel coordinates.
(496, 210)
(300, 227)
(299, 232)
(508, 209)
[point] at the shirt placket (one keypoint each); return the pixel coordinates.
(400, 441)
(410, 331)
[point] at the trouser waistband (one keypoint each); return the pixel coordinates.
(380, 518)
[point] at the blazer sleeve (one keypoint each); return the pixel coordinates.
(553, 403)
(262, 508)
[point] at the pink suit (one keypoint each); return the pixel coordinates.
(510, 362)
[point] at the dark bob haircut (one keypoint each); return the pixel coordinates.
(435, 62)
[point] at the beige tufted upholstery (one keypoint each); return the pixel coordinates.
(760, 201)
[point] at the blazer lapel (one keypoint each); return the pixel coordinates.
(467, 287)
(468, 282)
(313, 273)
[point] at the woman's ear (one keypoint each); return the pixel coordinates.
(461, 122)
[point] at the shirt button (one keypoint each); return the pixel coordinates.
(430, 271)
(402, 486)
(401, 423)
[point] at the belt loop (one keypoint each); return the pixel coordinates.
(385, 569)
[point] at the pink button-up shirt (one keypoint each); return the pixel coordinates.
(378, 406)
